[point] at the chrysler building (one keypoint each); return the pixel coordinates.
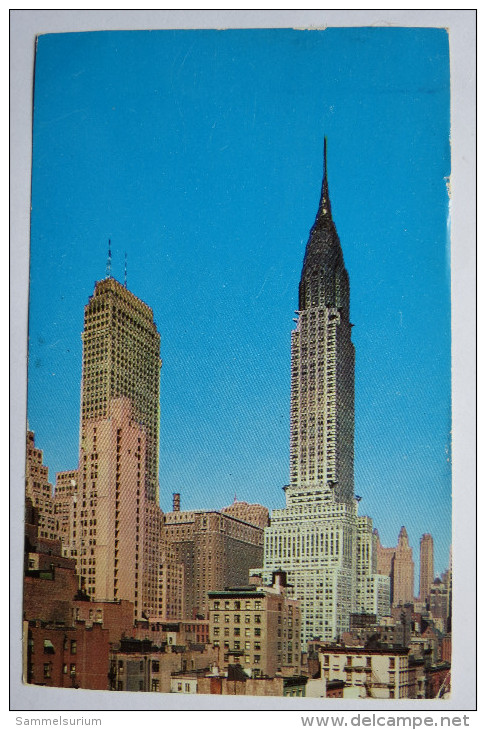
(315, 538)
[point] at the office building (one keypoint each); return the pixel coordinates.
(216, 549)
(116, 523)
(121, 358)
(397, 563)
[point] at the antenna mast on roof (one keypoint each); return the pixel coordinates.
(125, 270)
(108, 262)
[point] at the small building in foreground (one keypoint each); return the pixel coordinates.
(379, 673)
(257, 627)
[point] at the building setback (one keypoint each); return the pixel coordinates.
(314, 538)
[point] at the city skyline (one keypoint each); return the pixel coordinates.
(225, 310)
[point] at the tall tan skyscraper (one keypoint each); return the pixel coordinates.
(117, 532)
(426, 565)
(121, 357)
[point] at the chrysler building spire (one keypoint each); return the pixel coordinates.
(324, 280)
(322, 393)
(324, 213)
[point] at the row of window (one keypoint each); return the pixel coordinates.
(237, 605)
(237, 618)
(48, 670)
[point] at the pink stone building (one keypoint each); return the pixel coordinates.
(397, 562)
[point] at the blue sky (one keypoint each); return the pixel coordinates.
(199, 153)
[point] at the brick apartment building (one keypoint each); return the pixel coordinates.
(381, 673)
(67, 656)
(257, 627)
(172, 632)
(143, 666)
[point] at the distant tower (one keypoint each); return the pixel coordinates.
(402, 571)
(121, 358)
(426, 565)
(372, 588)
(384, 557)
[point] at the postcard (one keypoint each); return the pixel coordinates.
(238, 451)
